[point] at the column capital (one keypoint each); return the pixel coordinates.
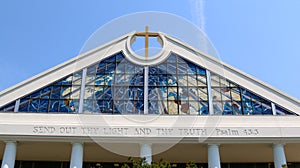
(213, 144)
(150, 144)
(75, 142)
(10, 141)
(278, 143)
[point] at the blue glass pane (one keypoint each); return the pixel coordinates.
(181, 60)
(109, 79)
(153, 106)
(110, 59)
(192, 93)
(110, 68)
(54, 104)
(172, 58)
(129, 68)
(64, 106)
(92, 69)
(152, 81)
(55, 92)
(281, 111)
(139, 106)
(100, 79)
(24, 104)
(246, 95)
(237, 108)
(171, 69)
(218, 107)
(256, 98)
(172, 80)
(247, 108)
(74, 105)
(137, 80)
(182, 68)
(201, 71)
(203, 108)
(192, 69)
(162, 68)
(34, 105)
(267, 110)
(227, 108)
(119, 57)
(45, 93)
(107, 106)
(65, 81)
(36, 94)
(9, 107)
(88, 106)
(101, 68)
(120, 68)
(43, 105)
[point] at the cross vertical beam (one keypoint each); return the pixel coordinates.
(146, 41)
(146, 34)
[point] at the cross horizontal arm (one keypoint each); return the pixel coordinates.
(150, 34)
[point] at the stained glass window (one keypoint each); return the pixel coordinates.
(114, 85)
(60, 96)
(177, 86)
(231, 99)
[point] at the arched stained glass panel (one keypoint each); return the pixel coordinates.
(177, 86)
(114, 86)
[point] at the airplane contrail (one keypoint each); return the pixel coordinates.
(197, 12)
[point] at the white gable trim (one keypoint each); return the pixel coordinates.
(169, 44)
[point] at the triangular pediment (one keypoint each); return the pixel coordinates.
(180, 80)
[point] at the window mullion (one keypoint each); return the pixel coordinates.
(146, 80)
(84, 71)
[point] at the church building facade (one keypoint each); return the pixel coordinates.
(179, 105)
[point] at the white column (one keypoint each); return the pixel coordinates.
(213, 156)
(146, 152)
(279, 156)
(77, 155)
(9, 156)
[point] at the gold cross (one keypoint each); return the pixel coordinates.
(146, 34)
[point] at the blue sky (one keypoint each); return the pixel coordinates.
(259, 37)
